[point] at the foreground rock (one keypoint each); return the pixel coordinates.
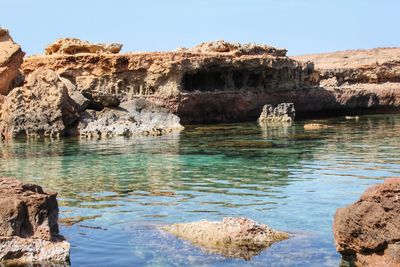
(42, 107)
(231, 237)
(11, 57)
(283, 113)
(368, 231)
(29, 225)
(136, 117)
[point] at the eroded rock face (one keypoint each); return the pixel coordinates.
(11, 57)
(282, 113)
(29, 224)
(71, 46)
(42, 107)
(197, 84)
(231, 237)
(136, 117)
(368, 231)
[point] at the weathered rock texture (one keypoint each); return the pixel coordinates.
(11, 57)
(221, 81)
(231, 237)
(282, 113)
(209, 83)
(29, 224)
(359, 78)
(73, 46)
(42, 107)
(136, 117)
(368, 231)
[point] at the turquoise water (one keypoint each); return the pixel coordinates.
(120, 191)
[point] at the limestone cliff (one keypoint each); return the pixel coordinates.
(208, 83)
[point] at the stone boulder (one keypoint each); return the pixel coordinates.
(11, 57)
(231, 237)
(42, 107)
(72, 46)
(29, 224)
(367, 232)
(282, 113)
(136, 117)
(222, 46)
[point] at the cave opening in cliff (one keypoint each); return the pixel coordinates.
(233, 79)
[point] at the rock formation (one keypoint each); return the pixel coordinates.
(222, 82)
(315, 126)
(136, 117)
(359, 79)
(282, 113)
(29, 225)
(42, 107)
(11, 57)
(368, 231)
(231, 237)
(212, 82)
(72, 46)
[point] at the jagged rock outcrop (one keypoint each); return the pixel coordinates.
(29, 230)
(42, 107)
(72, 46)
(221, 81)
(11, 57)
(136, 117)
(282, 113)
(368, 231)
(235, 48)
(231, 237)
(213, 82)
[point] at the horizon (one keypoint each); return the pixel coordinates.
(304, 27)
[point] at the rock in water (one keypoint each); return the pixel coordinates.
(137, 117)
(42, 107)
(368, 231)
(283, 113)
(29, 225)
(231, 237)
(11, 57)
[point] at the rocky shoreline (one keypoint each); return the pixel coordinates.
(211, 82)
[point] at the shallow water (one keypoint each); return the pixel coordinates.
(120, 191)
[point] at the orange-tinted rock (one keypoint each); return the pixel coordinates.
(29, 224)
(368, 231)
(11, 57)
(42, 107)
(73, 46)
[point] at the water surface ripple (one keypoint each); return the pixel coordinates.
(119, 192)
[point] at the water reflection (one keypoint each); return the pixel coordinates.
(286, 177)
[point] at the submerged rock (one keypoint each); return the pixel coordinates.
(315, 126)
(137, 117)
(282, 113)
(11, 57)
(367, 232)
(42, 107)
(29, 225)
(231, 237)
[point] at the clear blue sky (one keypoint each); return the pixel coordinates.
(307, 26)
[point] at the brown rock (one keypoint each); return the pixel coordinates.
(41, 107)
(73, 46)
(368, 231)
(315, 126)
(29, 224)
(11, 57)
(231, 237)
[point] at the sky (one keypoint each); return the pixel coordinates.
(301, 26)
